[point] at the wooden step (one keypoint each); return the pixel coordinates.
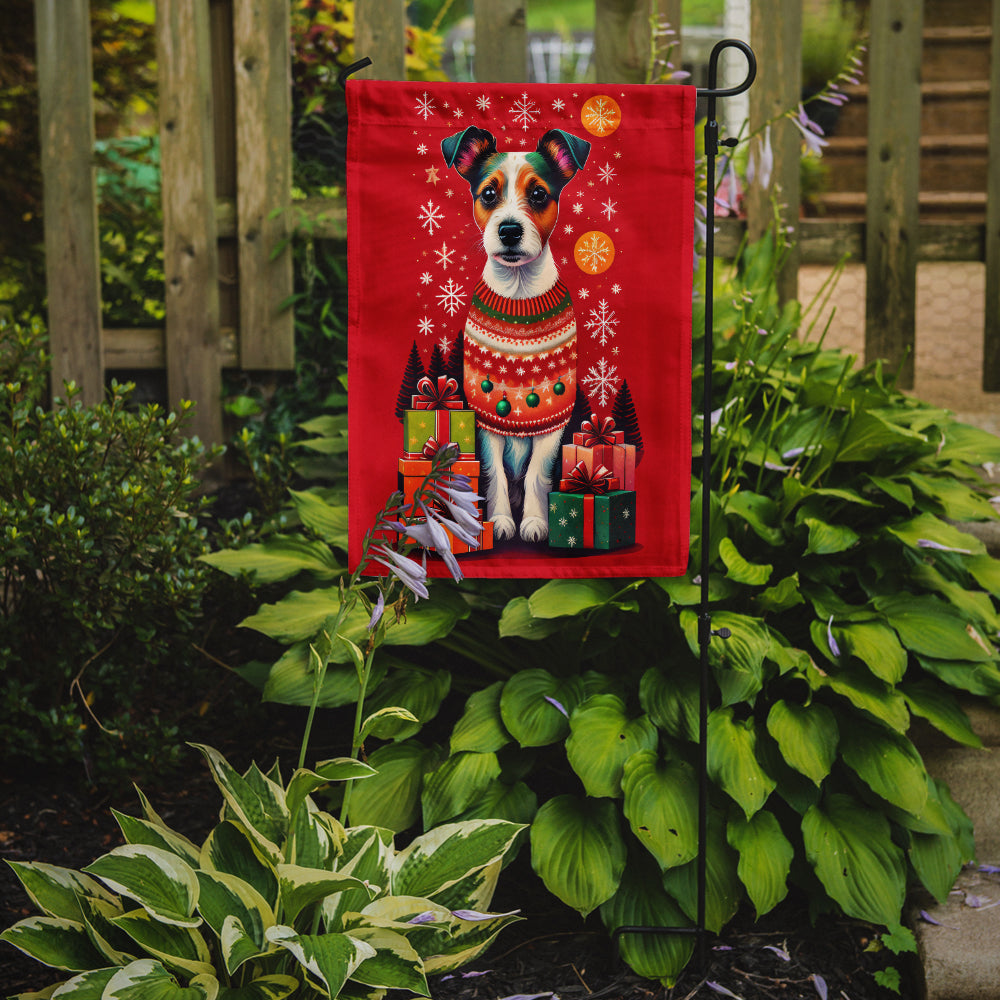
(956, 53)
(945, 12)
(957, 206)
(947, 162)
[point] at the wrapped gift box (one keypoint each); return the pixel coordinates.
(458, 547)
(437, 412)
(589, 511)
(597, 444)
(413, 472)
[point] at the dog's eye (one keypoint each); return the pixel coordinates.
(538, 197)
(489, 197)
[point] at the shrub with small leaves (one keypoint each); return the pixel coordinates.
(99, 574)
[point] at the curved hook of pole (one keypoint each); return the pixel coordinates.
(353, 68)
(713, 69)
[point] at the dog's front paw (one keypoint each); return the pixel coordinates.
(503, 527)
(534, 529)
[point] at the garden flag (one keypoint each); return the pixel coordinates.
(520, 273)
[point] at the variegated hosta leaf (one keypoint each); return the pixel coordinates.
(225, 897)
(256, 801)
(723, 889)
(301, 887)
(315, 838)
(467, 940)
(481, 727)
(56, 891)
(304, 782)
(159, 881)
(391, 799)
(850, 847)
(765, 858)
(329, 959)
(642, 902)
(441, 857)
(366, 855)
(456, 784)
(888, 763)
(732, 760)
(54, 941)
(395, 964)
(141, 831)
(230, 849)
(661, 805)
(116, 946)
(535, 706)
(807, 736)
(87, 986)
(177, 947)
(149, 980)
(578, 851)
(602, 737)
(275, 987)
(476, 890)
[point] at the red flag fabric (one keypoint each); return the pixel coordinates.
(535, 243)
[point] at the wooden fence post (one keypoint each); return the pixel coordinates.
(776, 35)
(72, 255)
(190, 251)
(380, 34)
(991, 332)
(262, 61)
(892, 215)
(501, 41)
(621, 40)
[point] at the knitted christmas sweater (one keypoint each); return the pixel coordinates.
(520, 361)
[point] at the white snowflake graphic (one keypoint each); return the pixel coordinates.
(562, 521)
(483, 102)
(444, 343)
(609, 208)
(578, 207)
(602, 323)
(573, 513)
(458, 112)
(626, 514)
(567, 229)
(583, 293)
(524, 112)
(558, 104)
(602, 381)
(452, 297)
(425, 278)
(594, 252)
(552, 507)
(430, 216)
(422, 149)
(600, 116)
(571, 541)
(444, 255)
(426, 326)
(606, 173)
(615, 288)
(424, 106)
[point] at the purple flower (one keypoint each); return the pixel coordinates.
(411, 574)
(475, 915)
(834, 648)
(820, 983)
(928, 543)
(761, 163)
(430, 535)
(811, 132)
(719, 988)
(780, 952)
(427, 917)
(377, 611)
(552, 701)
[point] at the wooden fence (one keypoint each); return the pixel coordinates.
(226, 161)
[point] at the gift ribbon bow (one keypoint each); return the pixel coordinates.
(432, 447)
(598, 431)
(436, 397)
(582, 480)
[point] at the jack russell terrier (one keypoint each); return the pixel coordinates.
(520, 334)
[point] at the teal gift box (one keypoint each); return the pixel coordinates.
(588, 521)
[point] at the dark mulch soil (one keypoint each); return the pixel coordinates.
(551, 951)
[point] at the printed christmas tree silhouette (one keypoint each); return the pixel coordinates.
(455, 361)
(436, 365)
(411, 376)
(624, 415)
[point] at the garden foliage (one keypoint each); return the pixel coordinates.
(99, 546)
(280, 899)
(855, 605)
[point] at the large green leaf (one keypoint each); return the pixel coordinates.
(765, 858)
(758, 511)
(732, 760)
(516, 803)
(559, 598)
(866, 692)
(932, 628)
(279, 558)
(301, 887)
(230, 849)
(225, 897)
(147, 979)
(926, 528)
(292, 680)
(739, 569)
(876, 646)
(870, 436)
(439, 858)
(143, 831)
(395, 964)
(329, 959)
(888, 763)
(783, 595)
(641, 901)
(602, 737)
(661, 806)
(420, 691)
(850, 848)
(56, 891)
(179, 948)
(535, 706)
(976, 678)
(456, 784)
(517, 620)
(327, 520)
(941, 709)
(391, 798)
(86, 986)
(481, 728)
(738, 661)
(807, 736)
(828, 539)
(54, 941)
(274, 987)
(671, 699)
(164, 885)
(578, 851)
(304, 782)
(957, 501)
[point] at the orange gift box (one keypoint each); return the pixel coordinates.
(458, 547)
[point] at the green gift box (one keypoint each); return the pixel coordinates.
(589, 521)
(445, 426)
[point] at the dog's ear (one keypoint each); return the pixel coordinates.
(565, 152)
(465, 151)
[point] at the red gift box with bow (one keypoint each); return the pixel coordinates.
(599, 444)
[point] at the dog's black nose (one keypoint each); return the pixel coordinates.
(510, 233)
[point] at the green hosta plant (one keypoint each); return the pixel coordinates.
(279, 900)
